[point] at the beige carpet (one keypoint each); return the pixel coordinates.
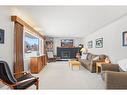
(58, 75)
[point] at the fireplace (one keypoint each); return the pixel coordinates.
(67, 53)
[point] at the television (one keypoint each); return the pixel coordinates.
(31, 45)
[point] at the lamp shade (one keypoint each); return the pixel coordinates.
(84, 50)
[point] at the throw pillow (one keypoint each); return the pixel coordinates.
(96, 58)
(102, 57)
(123, 64)
(84, 56)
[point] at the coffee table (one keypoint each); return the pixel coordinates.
(74, 63)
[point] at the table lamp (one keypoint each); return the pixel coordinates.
(84, 50)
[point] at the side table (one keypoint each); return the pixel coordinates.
(98, 66)
(74, 63)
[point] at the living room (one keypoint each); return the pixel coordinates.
(100, 30)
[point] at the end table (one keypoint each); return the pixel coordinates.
(98, 66)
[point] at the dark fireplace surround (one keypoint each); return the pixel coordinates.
(67, 53)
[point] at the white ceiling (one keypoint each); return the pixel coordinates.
(72, 21)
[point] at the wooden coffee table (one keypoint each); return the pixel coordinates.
(74, 63)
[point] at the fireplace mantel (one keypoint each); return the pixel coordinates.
(68, 47)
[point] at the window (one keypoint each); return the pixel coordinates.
(33, 45)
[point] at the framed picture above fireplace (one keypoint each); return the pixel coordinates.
(67, 43)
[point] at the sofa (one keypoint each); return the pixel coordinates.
(114, 76)
(90, 61)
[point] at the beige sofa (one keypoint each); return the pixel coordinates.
(89, 63)
(114, 77)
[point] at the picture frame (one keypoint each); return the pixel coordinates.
(67, 43)
(124, 38)
(99, 43)
(90, 44)
(1, 36)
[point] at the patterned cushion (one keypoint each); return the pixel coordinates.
(96, 58)
(84, 56)
(102, 57)
(89, 56)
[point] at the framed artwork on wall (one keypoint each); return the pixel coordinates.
(90, 44)
(125, 38)
(1, 36)
(49, 44)
(99, 43)
(67, 43)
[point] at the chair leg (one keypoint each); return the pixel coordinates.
(37, 84)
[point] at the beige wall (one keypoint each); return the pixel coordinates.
(6, 49)
(112, 37)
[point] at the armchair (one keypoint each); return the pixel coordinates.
(23, 82)
(51, 57)
(113, 77)
(110, 67)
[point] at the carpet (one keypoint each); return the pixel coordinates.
(58, 75)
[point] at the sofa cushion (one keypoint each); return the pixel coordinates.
(88, 64)
(84, 56)
(89, 56)
(84, 61)
(87, 61)
(96, 58)
(102, 57)
(81, 60)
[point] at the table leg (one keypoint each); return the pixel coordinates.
(71, 66)
(97, 69)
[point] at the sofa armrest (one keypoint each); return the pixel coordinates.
(116, 80)
(110, 67)
(93, 66)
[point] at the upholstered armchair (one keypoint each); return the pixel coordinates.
(23, 82)
(113, 76)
